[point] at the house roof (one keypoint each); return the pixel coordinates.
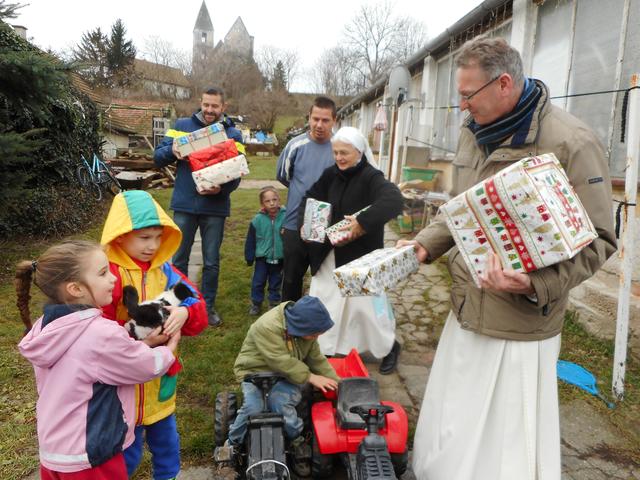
(133, 116)
(85, 88)
(203, 22)
(160, 73)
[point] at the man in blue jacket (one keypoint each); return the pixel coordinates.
(206, 210)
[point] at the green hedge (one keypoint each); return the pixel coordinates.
(45, 125)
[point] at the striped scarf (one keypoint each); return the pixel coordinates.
(516, 122)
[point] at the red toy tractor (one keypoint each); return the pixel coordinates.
(368, 435)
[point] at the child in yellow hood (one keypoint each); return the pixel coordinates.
(140, 239)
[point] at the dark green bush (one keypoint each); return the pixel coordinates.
(45, 125)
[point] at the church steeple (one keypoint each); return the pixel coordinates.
(202, 38)
(204, 20)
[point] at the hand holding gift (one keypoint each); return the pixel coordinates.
(176, 152)
(504, 280)
(421, 252)
(352, 229)
(346, 230)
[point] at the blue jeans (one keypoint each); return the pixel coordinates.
(211, 231)
(283, 399)
(262, 272)
(164, 444)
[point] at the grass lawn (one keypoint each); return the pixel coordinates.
(262, 168)
(285, 122)
(208, 359)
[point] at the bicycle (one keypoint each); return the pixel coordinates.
(97, 176)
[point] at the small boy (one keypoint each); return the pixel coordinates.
(264, 246)
(140, 239)
(284, 340)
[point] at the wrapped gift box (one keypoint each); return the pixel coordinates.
(200, 139)
(335, 234)
(376, 272)
(213, 154)
(317, 216)
(528, 214)
(220, 173)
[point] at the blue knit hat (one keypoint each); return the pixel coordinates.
(308, 316)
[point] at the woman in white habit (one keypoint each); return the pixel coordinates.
(353, 183)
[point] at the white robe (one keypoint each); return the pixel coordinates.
(490, 410)
(364, 323)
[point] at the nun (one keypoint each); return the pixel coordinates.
(353, 183)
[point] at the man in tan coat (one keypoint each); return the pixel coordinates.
(491, 409)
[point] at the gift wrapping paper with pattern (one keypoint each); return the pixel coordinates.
(528, 214)
(220, 173)
(200, 139)
(213, 154)
(335, 234)
(377, 271)
(317, 216)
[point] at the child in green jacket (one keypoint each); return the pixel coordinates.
(263, 246)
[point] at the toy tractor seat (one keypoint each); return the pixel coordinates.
(356, 391)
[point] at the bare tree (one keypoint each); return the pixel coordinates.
(264, 107)
(379, 39)
(413, 38)
(335, 73)
(162, 52)
(268, 57)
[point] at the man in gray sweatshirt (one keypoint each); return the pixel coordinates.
(299, 166)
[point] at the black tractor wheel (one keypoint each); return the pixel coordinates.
(225, 414)
(400, 462)
(321, 465)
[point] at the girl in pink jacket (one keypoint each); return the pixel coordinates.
(86, 366)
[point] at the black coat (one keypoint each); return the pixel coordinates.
(349, 191)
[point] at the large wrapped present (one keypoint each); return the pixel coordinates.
(528, 214)
(220, 173)
(200, 139)
(213, 154)
(376, 271)
(336, 235)
(317, 216)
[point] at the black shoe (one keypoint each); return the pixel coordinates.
(254, 309)
(301, 453)
(214, 319)
(273, 304)
(390, 362)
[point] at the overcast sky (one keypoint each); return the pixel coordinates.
(308, 27)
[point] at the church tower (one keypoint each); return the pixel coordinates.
(202, 39)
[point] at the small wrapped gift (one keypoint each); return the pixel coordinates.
(220, 173)
(528, 214)
(335, 234)
(317, 215)
(376, 272)
(200, 139)
(213, 154)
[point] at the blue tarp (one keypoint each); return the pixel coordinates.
(581, 377)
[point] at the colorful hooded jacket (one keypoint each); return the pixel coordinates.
(86, 368)
(133, 210)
